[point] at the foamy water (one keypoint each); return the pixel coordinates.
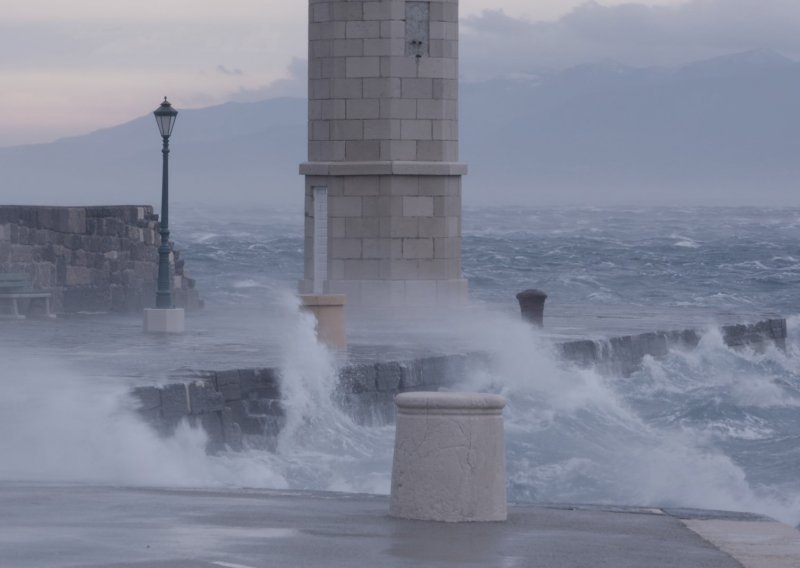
(710, 428)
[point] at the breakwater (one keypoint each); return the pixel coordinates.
(242, 407)
(91, 259)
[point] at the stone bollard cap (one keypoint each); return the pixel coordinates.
(449, 403)
(532, 293)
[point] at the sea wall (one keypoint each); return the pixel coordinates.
(92, 259)
(243, 406)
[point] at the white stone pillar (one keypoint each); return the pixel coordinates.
(449, 458)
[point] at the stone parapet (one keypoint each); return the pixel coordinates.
(92, 259)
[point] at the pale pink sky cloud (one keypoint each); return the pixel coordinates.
(72, 66)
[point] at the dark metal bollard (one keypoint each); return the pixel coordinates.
(531, 304)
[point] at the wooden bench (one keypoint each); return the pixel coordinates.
(17, 286)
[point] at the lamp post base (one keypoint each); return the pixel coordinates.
(160, 320)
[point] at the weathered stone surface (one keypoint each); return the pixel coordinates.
(229, 384)
(231, 430)
(449, 458)
(147, 398)
(174, 401)
(357, 379)
(388, 376)
(95, 259)
(204, 398)
(265, 382)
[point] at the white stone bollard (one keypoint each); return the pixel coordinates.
(449, 458)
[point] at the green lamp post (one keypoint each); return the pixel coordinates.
(165, 118)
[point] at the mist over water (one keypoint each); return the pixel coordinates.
(710, 428)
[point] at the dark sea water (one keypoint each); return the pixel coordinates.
(711, 428)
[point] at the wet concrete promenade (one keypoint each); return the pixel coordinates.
(102, 527)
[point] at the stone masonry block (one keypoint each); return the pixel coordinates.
(445, 130)
(438, 68)
(393, 29)
(360, 228)
(348, 88)
(347, 11)
(383, 10)
(319, 129)
(263, 383)
(363, 30)
(401, 150)
(434, 185)
(361, 269)
(445, 89)
(348, 47)
(320, 48)
(336, 227)
(404, 227)
(398, 108)
(326, 30)
(443, 48)
(381, 129)
(382, 88)
(362, 150)
(417, 248)
(399, 67)
(447, 247)
(362, 185)
(433, 227)
(388, 376)
(400, 185)
(346, 130)
(326, 151)
(320, 12)
(419, 206)
(363, 108)
(414, 88)
(174, 401)
(384, 47)
(203, 398)
(147, 398)
(229, 384)
(416, 130)
(438, 109)
(376, 249)
(447, 206)
(319, 89)
(358, 67)
(345, 248)
(332, 109)
(358, 379)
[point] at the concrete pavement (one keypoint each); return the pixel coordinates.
(93, 527)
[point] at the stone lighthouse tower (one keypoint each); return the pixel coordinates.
(383, 180)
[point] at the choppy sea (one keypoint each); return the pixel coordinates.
(711, 428)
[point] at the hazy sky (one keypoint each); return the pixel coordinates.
(71, 66)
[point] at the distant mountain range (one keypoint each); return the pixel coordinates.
(721, 131)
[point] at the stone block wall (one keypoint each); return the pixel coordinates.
(383, 81)
(92, 259)
(383, 142)
(390, 237)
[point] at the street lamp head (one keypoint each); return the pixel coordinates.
(165, 118)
